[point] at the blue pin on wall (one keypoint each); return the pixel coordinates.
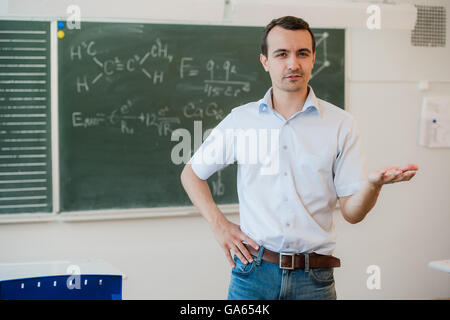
(61, 24)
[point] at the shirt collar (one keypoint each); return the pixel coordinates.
(311, 102)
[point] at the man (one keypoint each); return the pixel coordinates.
(284, 244)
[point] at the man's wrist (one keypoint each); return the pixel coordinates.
(374, 186)
(218, 221)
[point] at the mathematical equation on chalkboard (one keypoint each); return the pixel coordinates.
(141, 63)
(124, 118)
(217, 79)
(154, 67)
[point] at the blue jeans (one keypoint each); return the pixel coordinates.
(262, 280)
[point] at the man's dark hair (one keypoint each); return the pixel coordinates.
(288, 23)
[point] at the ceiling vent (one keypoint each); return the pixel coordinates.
(431, 26)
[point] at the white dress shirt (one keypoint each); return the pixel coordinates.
(288, 194)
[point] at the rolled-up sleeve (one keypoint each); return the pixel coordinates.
(217, 151)
(350, 168)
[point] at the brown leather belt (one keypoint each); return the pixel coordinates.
(293, 261)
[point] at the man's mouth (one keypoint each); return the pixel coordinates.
(293, 76)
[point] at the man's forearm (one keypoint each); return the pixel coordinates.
(200, 195)
(228, 234)
(359, 204)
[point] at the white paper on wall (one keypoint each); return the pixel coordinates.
(434, 131)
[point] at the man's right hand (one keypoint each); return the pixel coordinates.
(230, 237)
(227, 233)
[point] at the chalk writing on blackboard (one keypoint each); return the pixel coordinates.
(123, 118)
(113, 65)
(137, 100)
(322, 62)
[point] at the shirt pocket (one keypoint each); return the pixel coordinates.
(313, 174)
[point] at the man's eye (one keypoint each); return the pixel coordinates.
(281, 54)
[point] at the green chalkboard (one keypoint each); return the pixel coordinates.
(25, 123)
(125, 87)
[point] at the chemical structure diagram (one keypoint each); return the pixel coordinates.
(109, 67)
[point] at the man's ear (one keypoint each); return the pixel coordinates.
(314, 59)
(263, 60)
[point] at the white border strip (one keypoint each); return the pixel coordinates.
(54, 116)
(140, 213)
(102, 215)
(125, 214)
(219, 22)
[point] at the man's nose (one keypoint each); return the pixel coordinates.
(293, 63)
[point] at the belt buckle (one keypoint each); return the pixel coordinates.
(292, 260)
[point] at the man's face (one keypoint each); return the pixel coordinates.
(289, 58)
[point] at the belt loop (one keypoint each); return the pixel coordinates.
(306, 262)
(260, 253)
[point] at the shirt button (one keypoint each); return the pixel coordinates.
(285, 174)
(285, 199)
(288, 224)
(284, 147)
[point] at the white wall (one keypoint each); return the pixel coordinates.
(179, 258)
(409, 226)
